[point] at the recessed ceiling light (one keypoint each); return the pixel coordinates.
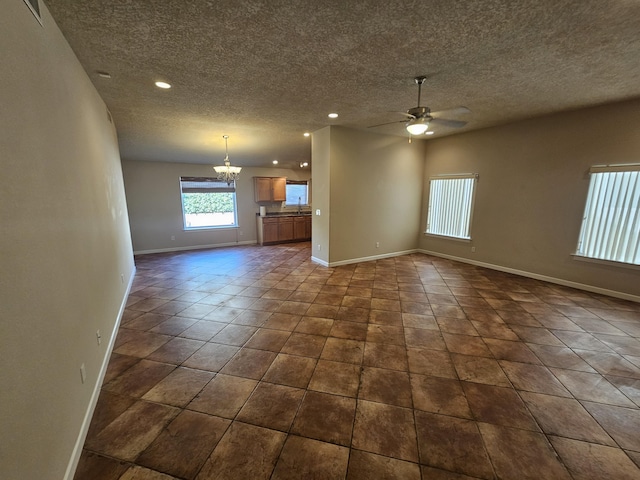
(333, 115)
(306, 134)
(430, 132)
(163, 85)
(275, 162)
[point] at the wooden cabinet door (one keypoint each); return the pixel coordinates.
(307, 227)
(299, 230)
(262, 189)
(279, 189)
(285, 229)
(269, 230)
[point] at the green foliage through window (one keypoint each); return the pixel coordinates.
(208, 202)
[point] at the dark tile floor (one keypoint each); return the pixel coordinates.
(254, 362)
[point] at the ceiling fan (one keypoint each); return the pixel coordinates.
(419, 118)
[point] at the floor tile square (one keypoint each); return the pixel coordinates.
(342, 350)
(386, 430)
(452, 444)
(179, 387)
(186, 443)
(271, 406)
(336, 377)
(307, 458)
(439, 395)
(326, 417)
(499, 406)
(249, 363)
(291, 370)
(385, 386)
(521, 454)
(223, 396)
(255, 459)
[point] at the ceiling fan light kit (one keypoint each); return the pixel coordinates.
(227, 173)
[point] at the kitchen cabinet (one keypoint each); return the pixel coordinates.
(283, 228)
(270, 189)
(299, 227)
(269, 230)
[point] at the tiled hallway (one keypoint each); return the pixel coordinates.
(255, 363)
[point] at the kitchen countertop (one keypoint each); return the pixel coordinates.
(286, 214)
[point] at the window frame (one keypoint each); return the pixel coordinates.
(297, 182)
(461, 176)
(591, 214)
(228, 189)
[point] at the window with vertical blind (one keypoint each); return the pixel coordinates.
(611, 222)
(207, 203)
(450, 205)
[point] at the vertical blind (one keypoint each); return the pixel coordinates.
(450, 205)
(611, 223)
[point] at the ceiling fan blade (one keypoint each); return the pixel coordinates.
(387, 123)
(451, 112)
(446, 122)
(406, 114)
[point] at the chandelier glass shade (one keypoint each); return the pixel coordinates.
(227, 173)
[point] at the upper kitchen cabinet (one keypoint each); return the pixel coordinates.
(270, 189)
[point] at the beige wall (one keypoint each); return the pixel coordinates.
(64, 245)
(321, 156)
(155, 208)
(374, 193)
(532, 189)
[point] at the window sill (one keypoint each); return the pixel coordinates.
(457, 239)
(611, 263)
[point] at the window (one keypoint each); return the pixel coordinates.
(450, 205)
(611, 222)
(297, 192)
(207, 202)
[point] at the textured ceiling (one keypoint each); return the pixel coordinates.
(264, 72)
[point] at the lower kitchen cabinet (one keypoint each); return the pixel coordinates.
(282, 229)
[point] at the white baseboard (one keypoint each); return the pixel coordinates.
(362, 259)
(321, 262)
(537, 276)
(84, 429)
(194, 247)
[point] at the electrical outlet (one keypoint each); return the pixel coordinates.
(318, 211)
(83, 373)
(319, 248)
(173, 237)
(473, 249)
(240, 232)
(98, 337)
(377, 244)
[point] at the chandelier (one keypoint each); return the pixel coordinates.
(227, 173)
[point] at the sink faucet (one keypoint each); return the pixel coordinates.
(299, 204)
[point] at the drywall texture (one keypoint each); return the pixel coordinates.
(65, 244)
(375, 194)
(532, 188)
(155, 207)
